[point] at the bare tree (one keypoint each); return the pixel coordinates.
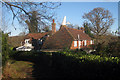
(75, 26)
(46, 29)
(22, 34)
(33, 13)
(32, 22)
(100, 20)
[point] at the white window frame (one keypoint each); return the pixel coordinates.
(85, 42)
(75, 43)
(79, 43)
(27, 41)
(91, 42)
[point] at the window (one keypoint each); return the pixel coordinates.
(75, 43)
(82, 43)
(40, 41)
(27, 41)
(91, 42)
(85, 43)
(79, 43)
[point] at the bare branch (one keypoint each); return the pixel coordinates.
(100, 20)
(17, 7)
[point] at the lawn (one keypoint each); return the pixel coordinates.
(18, 69)
(64, 65)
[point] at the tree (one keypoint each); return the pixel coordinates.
(73, 26)
(32, 22)
(34, 14)
(70, 25)
(22, 34)
(87, 29)
(100, 21)
(46, 29)
(5, 48)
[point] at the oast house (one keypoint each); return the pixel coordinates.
(65, 37)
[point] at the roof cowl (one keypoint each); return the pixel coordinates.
(64, 21)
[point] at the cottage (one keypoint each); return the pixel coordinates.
(67, 38)
(64, 38)
(33, 41)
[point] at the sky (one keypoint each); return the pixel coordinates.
(74, 12)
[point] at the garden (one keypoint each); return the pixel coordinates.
(63, 64)
(66, 64)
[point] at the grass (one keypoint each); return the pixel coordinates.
(18, 69)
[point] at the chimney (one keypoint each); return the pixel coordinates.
(82, 29)
(53, 27)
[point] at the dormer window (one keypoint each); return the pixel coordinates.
(27, 41)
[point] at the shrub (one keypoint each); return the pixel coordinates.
(5, 48)
(114, 49)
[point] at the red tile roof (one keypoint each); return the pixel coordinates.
(63, 38)
(15, 41)
(36, 35)
(76, 32)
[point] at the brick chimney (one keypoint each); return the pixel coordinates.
(53, 27)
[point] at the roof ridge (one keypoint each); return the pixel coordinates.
(75, 29)
(69, 32)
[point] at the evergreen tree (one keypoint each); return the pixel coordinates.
(87, 29)
(5, 48)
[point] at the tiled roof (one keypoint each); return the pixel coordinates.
(63, 38)
(76, 32)
(15, 41)
(36, 35)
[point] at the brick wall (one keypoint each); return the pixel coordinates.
(82, 44)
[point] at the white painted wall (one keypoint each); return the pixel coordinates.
(26, 47)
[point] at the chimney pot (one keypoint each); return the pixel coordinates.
(53, 20)
(82, 29)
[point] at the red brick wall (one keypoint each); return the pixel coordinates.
(82, 44)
